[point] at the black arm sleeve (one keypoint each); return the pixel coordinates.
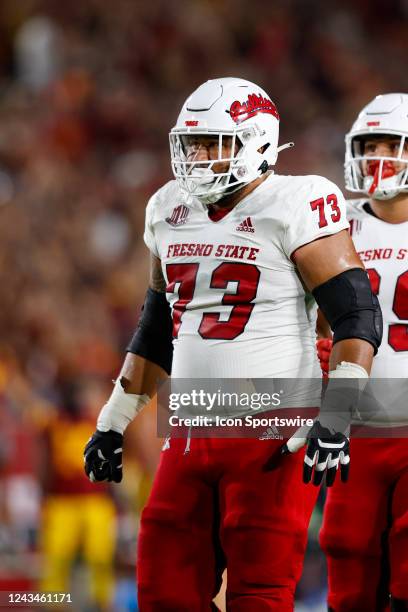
(350, 307)
(153, 337)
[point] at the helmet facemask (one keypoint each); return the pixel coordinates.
(242, 153)
(379, 177)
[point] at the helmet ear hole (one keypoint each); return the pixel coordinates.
(264, 147)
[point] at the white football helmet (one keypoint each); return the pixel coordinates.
(226, 108)
(385, 115)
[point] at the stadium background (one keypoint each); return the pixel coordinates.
(88, 92)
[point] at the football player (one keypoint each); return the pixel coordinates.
(233, 247)
(365, 533)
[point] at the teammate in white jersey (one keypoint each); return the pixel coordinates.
(232, 248)
(365, 534)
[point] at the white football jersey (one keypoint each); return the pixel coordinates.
(383, 248)
(238, 305)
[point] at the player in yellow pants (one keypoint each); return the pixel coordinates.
(78, 520)
(76, 523)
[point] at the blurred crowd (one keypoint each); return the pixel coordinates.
(88, 92)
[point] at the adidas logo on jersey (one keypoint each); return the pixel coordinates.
(272, 433)
(178, 216)
(246, 226)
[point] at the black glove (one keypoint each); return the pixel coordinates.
(325, 452)
(103, 456)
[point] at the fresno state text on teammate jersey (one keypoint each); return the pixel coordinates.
(383, 253)
(238, 306)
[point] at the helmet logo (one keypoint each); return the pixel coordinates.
(241, 111)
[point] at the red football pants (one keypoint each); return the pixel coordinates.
(365, 528)
(215, 507)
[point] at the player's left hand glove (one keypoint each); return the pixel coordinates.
(103, 456)
(325, 452)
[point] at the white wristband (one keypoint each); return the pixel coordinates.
(120, 409)
(340, 420)
(346, 369)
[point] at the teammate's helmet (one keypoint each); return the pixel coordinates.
(385, 115)
(227, 108)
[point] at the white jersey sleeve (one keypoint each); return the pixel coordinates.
(317, 209)
(149, 233)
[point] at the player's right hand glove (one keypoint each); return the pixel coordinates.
(103, 456)
(325, 452)
(324, 347)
